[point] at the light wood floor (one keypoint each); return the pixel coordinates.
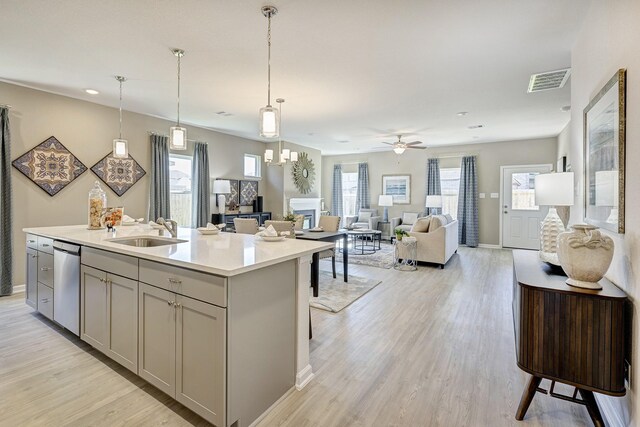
(426, 348)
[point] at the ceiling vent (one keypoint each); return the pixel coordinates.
(549, 80)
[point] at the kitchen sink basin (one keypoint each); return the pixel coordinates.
(146, 241)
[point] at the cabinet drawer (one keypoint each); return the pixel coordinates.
(122, 265)
(201, 286)
(45, 301)
(45, 244)
(45, 269)
(32, 241)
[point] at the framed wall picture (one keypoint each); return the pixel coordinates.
(248, 192)
(398, 186)
(604, 155)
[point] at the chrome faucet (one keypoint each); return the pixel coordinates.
(173, 228)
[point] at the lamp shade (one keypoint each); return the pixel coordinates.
(385, 200)
(554, 189)
(607, 188)
(222, 186)
(434, 201)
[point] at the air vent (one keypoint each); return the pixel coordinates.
(549, 80)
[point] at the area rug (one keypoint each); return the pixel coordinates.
(335, 294)
(382, 258)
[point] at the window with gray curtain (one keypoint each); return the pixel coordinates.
(200, 185)
(336, 191)
(159, 192)
(363, 196)
(433, 182)
(468, 231)
(6, 238)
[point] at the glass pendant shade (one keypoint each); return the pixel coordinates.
(268, 156)
(120, 148)
(398, 150)
(294, 156)
(269, 123)
(285, 153)
(177, 138)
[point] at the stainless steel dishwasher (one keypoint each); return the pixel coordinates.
(66, 285)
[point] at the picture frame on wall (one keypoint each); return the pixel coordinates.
(604, 155)
(248, 192)
(399, 187)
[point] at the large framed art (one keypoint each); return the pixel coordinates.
(399, 187)
(604, 155)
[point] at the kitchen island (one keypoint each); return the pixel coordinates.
(219, 322)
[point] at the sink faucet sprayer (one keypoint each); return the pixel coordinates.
(173, 229)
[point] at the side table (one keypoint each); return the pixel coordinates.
(385, 227)
(406, 252)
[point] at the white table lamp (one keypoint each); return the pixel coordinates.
(434, 201)
(607, 193)
(552, 189)
(385, 201)
(221, 187)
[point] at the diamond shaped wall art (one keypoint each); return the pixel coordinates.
(119, 174)
(248, 192)
(50, 166)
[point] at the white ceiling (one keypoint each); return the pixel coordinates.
(352, 70)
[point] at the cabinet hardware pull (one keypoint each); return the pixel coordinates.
(174, 281)
(177, 304)
(170, 303)
(44, 300)
(34, 256)
(31, 241)
(44, 269)
(45, 245)
(101, 279)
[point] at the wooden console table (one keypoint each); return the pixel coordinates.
(570, 335)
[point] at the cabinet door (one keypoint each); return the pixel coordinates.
(157, 337)
(122, 321)
(45, 268)
(200, 358)
(93, 307)
(45, 301)
(31, 294)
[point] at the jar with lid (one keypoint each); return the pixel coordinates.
(97, 203)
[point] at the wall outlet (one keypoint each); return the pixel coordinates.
(627, 374)
(482, 195)
(495, 195)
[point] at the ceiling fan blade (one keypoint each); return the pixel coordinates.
(413, 143)
(417, 148)
(388, 143)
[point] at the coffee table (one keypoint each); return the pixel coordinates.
(363, 242)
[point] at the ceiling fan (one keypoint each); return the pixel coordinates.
(399, 146)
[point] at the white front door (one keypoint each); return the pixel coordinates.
(521, 218)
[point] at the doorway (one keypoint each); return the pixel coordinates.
(520, 218)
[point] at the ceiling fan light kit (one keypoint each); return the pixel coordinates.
(120, 146)
(177, 133)
(269, 116)
(399, 147)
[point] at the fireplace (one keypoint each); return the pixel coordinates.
(310, 208)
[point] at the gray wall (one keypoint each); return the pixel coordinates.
(608, 41)
(490, 157)
(87, 130)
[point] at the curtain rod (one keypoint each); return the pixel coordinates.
(349, 163)
(452, 155)
(167, 136)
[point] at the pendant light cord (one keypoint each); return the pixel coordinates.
(269, 62)
(120, 137)
(179, 55)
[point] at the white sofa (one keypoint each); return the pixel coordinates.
(438, 244)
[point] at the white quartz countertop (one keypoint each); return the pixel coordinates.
(224, 254)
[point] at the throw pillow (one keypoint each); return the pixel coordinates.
(364, 216)
(449, 218)
(421, 225)
(409, 218)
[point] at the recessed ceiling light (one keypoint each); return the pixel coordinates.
(344, 141)
(311, 134)
(462, 113)
(475, 127)
(91, 91)
(566, 108)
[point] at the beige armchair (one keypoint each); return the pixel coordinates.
(245, 225)
(366, 219)
(282, 226)
(439, 242)
(329, 223)
(404, 222)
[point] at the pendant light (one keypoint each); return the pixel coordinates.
(269, 123)
(120, 146)
(178, 134)
(284, 154)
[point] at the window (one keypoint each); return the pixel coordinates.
(349, 191)
(180, 187)
(523, 194)
(450, 185)
(252, 165)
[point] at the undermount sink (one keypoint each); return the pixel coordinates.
(146, 241)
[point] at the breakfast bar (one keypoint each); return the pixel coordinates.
(218, 322)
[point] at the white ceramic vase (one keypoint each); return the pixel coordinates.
(585, 255)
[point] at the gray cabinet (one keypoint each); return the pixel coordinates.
(109, 315)
(45, 301)
(31, 290)
(182, 347)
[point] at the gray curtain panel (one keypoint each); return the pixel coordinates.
(336, 191)
(159, 191)
(363, 196)
(468, 231)
(433, 183)
(6, 214)
(200, 195)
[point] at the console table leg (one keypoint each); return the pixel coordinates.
(527, 397)
(592, 407)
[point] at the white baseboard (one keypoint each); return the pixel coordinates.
(304, 377)
(614, 410)
(19, 288)
(487, 246)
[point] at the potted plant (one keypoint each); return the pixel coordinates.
(400, 233)
(289, 217)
